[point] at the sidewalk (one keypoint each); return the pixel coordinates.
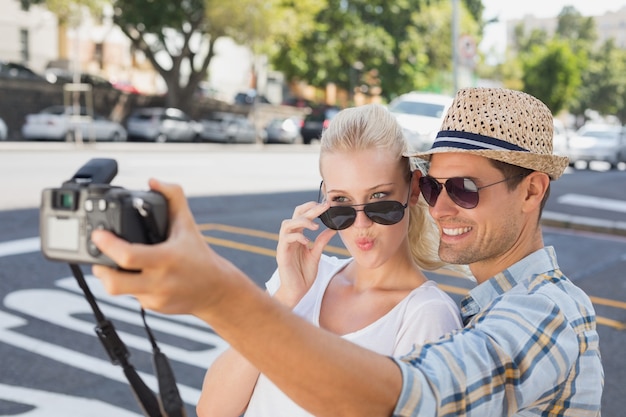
(590, 224)
(216, 169)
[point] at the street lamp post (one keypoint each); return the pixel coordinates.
(455, 41)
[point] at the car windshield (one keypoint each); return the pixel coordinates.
(601, 134)
(418, 108)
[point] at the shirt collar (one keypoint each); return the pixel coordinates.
(482, 295)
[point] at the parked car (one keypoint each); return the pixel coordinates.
(561, 139)
(598, 142)
(250, 97)
(420, 116)
(15, 70)
(228, 128)
(283, 130)
(315, 122)
(62, 123)
(62, 76)
(162, 124)
(4, 131)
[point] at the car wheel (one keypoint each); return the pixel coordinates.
(116, 137)
(69, 136)
(161, 138)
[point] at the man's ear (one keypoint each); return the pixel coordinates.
(535, 186)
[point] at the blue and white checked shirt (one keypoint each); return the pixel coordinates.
(529, 348)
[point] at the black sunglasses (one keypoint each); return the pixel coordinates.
(381, 212)
(462, 191)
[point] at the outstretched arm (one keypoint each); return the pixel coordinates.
(183, 275)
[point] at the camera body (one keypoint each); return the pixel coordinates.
(70, 213)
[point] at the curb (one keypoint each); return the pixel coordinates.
(566, 221)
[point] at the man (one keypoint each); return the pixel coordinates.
(529, 346)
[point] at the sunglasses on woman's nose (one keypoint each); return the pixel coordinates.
(381, 212)
(462, 191)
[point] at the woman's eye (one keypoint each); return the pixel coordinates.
(339, 199)
(379, 195)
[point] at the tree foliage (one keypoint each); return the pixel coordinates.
(569, 70)
(603, 86)
(179, 38)
(552, 74)
(396, 45)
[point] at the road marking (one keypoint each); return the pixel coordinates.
(66, 310)
(593, 202)
(20, 246)
(52, 404)
(77, 359)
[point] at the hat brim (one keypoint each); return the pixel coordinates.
(553, 165)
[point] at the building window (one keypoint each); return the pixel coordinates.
(24, 49)
(98, 54)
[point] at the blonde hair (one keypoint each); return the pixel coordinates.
(372, 126)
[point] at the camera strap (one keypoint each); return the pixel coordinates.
(169, 404)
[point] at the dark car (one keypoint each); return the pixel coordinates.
(315, 123)
(160, 124)
(62, 76)
(15, 70)
(249, 98)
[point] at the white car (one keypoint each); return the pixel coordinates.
(4, 131)
(420, 116)
(598, 142)
(561, 139)
(62, 123)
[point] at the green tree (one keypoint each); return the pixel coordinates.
(603, 86)
(178, 38)
(575, 27)
(401, 45)
(551, 74)
(553, 65)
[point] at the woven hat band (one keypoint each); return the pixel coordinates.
(472, 141)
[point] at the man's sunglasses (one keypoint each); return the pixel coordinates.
(381, 212)
(462, 191)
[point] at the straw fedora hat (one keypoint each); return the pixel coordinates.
(505, 125)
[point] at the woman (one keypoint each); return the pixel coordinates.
(378, 298)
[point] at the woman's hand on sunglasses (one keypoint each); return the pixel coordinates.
(297, 256)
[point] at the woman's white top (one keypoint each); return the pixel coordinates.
(425, 314)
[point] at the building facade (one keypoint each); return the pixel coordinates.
(611, 25)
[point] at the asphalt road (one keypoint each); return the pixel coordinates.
(51, 360)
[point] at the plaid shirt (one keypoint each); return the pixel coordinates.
(529, 348)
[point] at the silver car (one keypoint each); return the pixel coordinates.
(65, 123)
(162, 124)
(228, 128)
(283, 130)
(598, 142)
(420, 116)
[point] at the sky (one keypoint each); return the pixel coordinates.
(495, 34)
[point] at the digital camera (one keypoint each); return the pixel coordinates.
(87, 202)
